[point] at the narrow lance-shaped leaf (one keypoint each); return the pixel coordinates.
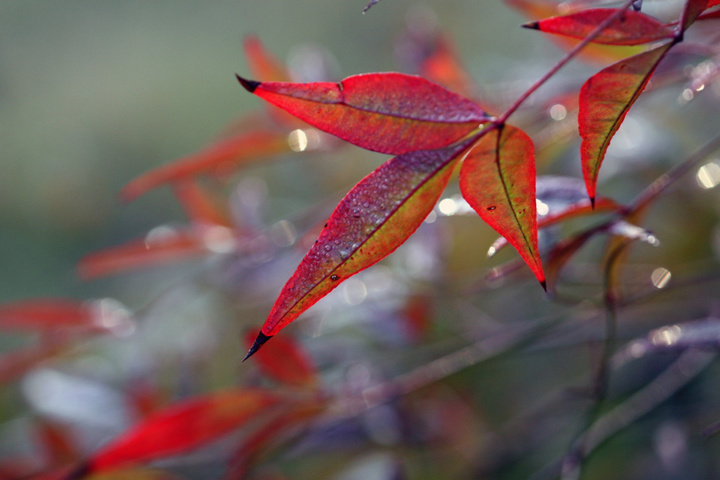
(580, 209)
(265, 66)
(693, 8)
(373, 219)
(390, 113)
(286, 426)
(162, 248)
(262, 64)
(182, 427)
(714, 15)
(632, 28)
(443, 66)
(16, 363)
(605, 100)
(498, 181)
(200, 206)
(225, 153)
(41, 314)
(593, 52)
(285, 361)
(561, 254)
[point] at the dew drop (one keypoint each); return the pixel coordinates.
(336, 241)
(490, 209)
(328, 247)
(334, 277)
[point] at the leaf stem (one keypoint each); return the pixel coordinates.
(569, 56)
(658, 187)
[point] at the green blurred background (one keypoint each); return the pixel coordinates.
(93, 93)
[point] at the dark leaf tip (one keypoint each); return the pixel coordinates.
(543, 283)
(259, 342)
(79, 472)
(250, 85)
(532, 25)
(592, 202)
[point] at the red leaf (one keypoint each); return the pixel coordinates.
(45, 314)
(714, 15)
(14, 364)
(164, 248)
(443, 66)
(285, 361)
(562, 253)
(693, 8)
(373, 219)
(390, 113)
(266, 67)
(633, 28)
(282, 428)
(534, 9)
(57, 443)
(183, 427)
(226, 153)
(576, 210)
(262, 64)
(498, 181)
(201, 208)
(605, 100)
(417, 314)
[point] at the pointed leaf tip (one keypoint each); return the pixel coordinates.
(79, 472)
(498, 181)
(592, 202)
(532, 25)
(544, 285)
(250, 85)
(390, 112)
(259, 342)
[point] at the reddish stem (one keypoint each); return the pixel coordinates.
(569, 56)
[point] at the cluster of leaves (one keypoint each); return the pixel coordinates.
(432, 132)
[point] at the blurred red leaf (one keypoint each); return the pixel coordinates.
(183, 427)
(45, 314)
(714, 15)
(277, 430)
(262, 63)
(200, 206)
(285, 361)
(605, 100)
(59, 447)
(390, 113)
(597, 53)
(265, 66)
(14, 364)
(444, 67)
(164, 248)
(373, 219)
(693, 8)
(579, 209)
(145, 397)
(561, 253)
(498, 181)
(417, 313)
(633, 28)
(226, 153)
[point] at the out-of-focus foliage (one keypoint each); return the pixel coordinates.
(436, 362)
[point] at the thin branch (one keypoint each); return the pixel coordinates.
(569, 56)
(662, 183)
(681, 372)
